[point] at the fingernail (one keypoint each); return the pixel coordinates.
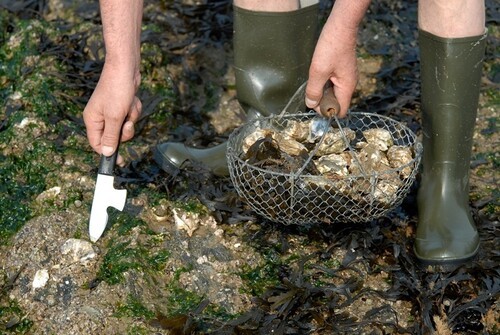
(129, 125)
(311, 103)
(107, 151)
(120, 161)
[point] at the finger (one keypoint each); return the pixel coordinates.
(94, 131)
(314, 93)
(135, 110)
(344, 98)
(111, 135)
(128, 131)
(120, 161)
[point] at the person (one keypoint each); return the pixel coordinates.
(276, 50)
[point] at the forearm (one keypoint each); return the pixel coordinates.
(121, 20)
(346, 15)
(334, 58)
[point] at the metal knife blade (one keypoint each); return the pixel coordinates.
(105, 195)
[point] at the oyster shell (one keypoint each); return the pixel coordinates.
(379, 137)
(334, 142)
(399, 156)
(298, 130)
(387, 189)
(317, 127)
(369, 160)
(289, 145)
(330, 186)
(334, 164)
(254, 137)
(285, 143)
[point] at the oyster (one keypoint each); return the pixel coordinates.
(369, 160)
(386, 190)
(317, 127)
(327, 187)
(298, 130)
(254, 137)
(399, 156)
(289, 145)
(285, 143)
(379, 137)
(334, 142)
(334, 164)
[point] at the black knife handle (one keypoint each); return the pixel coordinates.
(107, 164)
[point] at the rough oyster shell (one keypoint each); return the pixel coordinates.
(285, 143)
(331, 185)
(399, 156)
(289, 145)
(371, 160)
(334, 142)
(334, 164)
(254, 137)
(387, 189)
(379, 137)
(298, 130)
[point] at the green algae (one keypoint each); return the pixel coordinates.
(28, 153)
(13, 320)
(123, 221)
(133, 308)
(121, 258)
(192, 205)
(258, 278)
(22, 177)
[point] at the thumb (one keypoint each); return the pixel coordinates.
(110, 137)
(314, 93)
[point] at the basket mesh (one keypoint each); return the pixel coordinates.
(299, 197)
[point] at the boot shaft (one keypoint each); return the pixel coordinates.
(450, 82)
(272, 54)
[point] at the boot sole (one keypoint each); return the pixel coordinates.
(446, 262)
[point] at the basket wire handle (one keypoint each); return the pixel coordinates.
(330, 106)
(297, 98)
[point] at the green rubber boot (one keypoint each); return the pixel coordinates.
(272, 54)
(450, 76)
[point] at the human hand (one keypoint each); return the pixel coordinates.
(112, 110)
(334, 60)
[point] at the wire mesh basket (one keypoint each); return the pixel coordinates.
(365, 178)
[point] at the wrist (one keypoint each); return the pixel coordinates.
(347, 14)
(124, 71)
